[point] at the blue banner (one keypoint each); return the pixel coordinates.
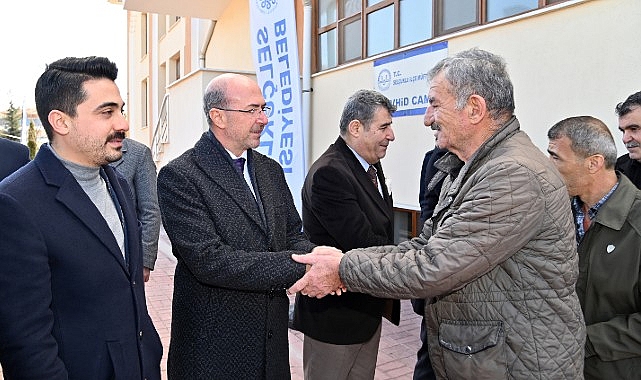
(275, 52)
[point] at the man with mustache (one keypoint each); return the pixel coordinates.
(629, 113)
(497, 262)
(72, 299)
(346, 204)
(233, 226)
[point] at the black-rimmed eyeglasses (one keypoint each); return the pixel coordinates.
(251, 111)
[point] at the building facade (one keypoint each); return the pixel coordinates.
(566, 58)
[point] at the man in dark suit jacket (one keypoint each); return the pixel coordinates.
(72, 300)
(233, 230)
(13, 156)
(138, 167)
(629, 113)
(344, 208)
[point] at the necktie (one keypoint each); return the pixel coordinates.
(371, 171)
(239, 164)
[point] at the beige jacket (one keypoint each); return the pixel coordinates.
(498, 263)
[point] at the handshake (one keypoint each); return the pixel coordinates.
(321, 277)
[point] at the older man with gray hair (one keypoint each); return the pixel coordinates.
(607, 214)
(497, 262)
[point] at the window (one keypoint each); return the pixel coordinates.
(405, 224)
(144, 88)
(497, 9)
(174, 68)
(143, 35)
(350, 30)
(380, 31)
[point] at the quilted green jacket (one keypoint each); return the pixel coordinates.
(609, 286)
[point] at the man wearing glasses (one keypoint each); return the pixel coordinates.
(233, 226)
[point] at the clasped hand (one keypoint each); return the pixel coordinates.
(322, 278)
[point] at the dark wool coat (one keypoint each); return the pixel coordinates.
(13, 155)
(71, 307)
(230, 309)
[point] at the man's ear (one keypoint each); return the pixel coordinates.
(354, 128)
(476, 109)
(217, 117)
(59, 121)
(594, 163)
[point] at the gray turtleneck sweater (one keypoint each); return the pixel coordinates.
(95, 186)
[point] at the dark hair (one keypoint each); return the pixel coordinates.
(361, 106)
(478, 72)
(60, 87)
(588, 135)
(631, 102)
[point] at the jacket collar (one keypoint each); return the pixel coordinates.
(384, 202)
(71, 195)
(212, 158)
(614, 212)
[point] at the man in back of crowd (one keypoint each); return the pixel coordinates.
(629, 113)
(607, 213)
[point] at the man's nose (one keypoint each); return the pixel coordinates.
(428, 118)
(123, 124)
(390, 134)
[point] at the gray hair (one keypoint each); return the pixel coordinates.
(215, 96)
(361, 106)
(588, 136)
(478, 72)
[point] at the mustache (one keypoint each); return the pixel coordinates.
(116, 135)
(632, 144)
(435, 127)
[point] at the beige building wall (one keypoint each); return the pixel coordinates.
(230, 46)
(578, 59)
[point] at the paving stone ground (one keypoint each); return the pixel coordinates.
(397, 349)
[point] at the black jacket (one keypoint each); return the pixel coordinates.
(342, 209)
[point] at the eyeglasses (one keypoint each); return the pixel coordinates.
(251, 111)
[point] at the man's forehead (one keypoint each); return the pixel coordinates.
(631, 119)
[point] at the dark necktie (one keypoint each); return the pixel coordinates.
(239, 164)
(371, 172)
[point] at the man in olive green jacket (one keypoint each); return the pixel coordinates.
(607, 214)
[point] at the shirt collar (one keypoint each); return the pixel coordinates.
(360, 159)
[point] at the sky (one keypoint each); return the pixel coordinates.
(34, 33)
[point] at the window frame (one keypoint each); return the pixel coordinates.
(438, 31)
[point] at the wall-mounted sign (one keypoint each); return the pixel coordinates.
(402, 77)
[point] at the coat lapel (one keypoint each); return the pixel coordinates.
(73, 197)
(384, 202)
(215, 162)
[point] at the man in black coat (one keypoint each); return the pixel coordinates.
(13, 155)
(72, 296)
(346, 204)
(233, 227)
(629, 113)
